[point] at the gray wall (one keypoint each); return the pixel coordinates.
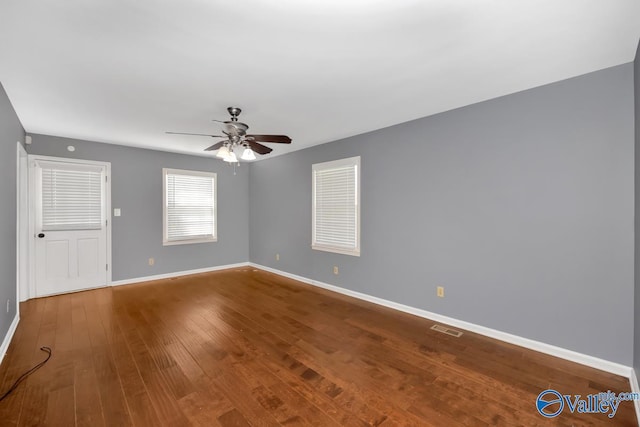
(11, 131)
(636, 331)
(521, 207)
(137, 190)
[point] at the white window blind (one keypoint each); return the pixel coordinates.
(71, 198)
(190, 206)
(336, 206)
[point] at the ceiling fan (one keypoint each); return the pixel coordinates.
(235, 134)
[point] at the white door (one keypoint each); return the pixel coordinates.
(70, 225)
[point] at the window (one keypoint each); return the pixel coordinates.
(189, 207)
(336, 206)
(71, 196)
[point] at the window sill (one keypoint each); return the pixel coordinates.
(342, 251)
(188, 242)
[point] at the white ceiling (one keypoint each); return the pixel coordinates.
(125, 72)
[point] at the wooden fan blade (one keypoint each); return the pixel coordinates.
(280, 139)
(215, 146)
(196, 134)
(259, 148)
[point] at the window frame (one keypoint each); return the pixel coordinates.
(350, 161)
(206, 239)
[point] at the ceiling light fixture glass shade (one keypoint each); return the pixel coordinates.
(231, 158)
(223, 152)
(248, 154)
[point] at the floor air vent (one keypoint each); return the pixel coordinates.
(447, 331)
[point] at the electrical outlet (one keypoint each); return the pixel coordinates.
(335, 270)
(277, 257)
(440, 291)
(152, 261)
(8, 302)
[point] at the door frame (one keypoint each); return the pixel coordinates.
(22, 224)
(32, 158)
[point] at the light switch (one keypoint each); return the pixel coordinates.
(116, 212)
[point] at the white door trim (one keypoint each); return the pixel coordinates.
(31, 291)
(22, 224)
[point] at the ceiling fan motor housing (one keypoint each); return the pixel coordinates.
(235, 128)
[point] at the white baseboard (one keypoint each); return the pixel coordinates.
(7, 339)
(573, 356)
(177, 274)
(633, 381)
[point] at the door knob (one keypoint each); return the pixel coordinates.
(41, 235)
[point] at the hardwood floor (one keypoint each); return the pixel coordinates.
(246, 347)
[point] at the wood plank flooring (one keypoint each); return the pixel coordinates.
(244, 347)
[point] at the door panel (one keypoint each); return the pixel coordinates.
(57, 261)
(89, 257)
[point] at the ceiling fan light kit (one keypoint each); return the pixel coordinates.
(223, 152)
(231, 158)
(248, 154)
(235, 134)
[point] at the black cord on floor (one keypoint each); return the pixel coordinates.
(29, 372)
